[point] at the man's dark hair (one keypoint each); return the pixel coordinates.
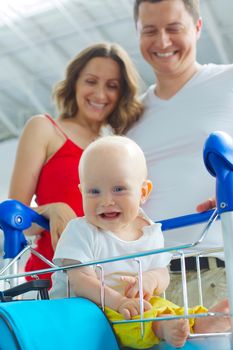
(192, 7)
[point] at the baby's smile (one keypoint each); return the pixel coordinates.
(110, 215)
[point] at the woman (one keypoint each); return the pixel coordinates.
(99, 91)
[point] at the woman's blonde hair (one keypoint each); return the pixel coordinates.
(128, 109)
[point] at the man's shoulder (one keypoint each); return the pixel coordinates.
(217, 69)
(148, 94)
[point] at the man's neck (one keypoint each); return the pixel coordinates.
(168, 86)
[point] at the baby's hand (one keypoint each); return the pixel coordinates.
(131, 307)
(132, 286)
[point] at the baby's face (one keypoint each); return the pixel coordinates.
(111, 189)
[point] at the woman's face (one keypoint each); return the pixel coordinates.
(98, 90)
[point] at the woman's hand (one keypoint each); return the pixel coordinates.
(59, 214)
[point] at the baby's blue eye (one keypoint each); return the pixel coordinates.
(93, 191)
(118, 189)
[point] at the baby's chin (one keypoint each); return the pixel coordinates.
(109, 222)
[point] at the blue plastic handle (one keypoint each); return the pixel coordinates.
(14, 218)
(186, 220)
(218, 158)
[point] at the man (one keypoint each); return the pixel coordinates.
(186, 104)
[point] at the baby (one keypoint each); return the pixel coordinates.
(114, 184)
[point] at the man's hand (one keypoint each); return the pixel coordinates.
(207, 205)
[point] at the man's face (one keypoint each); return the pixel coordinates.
(168, 37)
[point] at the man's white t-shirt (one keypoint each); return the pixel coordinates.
(172, 134)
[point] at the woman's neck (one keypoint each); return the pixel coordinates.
(90, 126)
(81, 133)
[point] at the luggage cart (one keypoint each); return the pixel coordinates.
(64, 323)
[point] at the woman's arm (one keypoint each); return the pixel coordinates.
(34, 149)
(59, 214)
(30, 157)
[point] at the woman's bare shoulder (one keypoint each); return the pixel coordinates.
(39, 123)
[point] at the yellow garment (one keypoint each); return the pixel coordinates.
(130, 334)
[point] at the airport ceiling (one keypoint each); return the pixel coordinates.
(39, 37)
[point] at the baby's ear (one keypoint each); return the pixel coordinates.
(146, 190)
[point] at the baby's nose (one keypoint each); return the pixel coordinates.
(108, 200)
